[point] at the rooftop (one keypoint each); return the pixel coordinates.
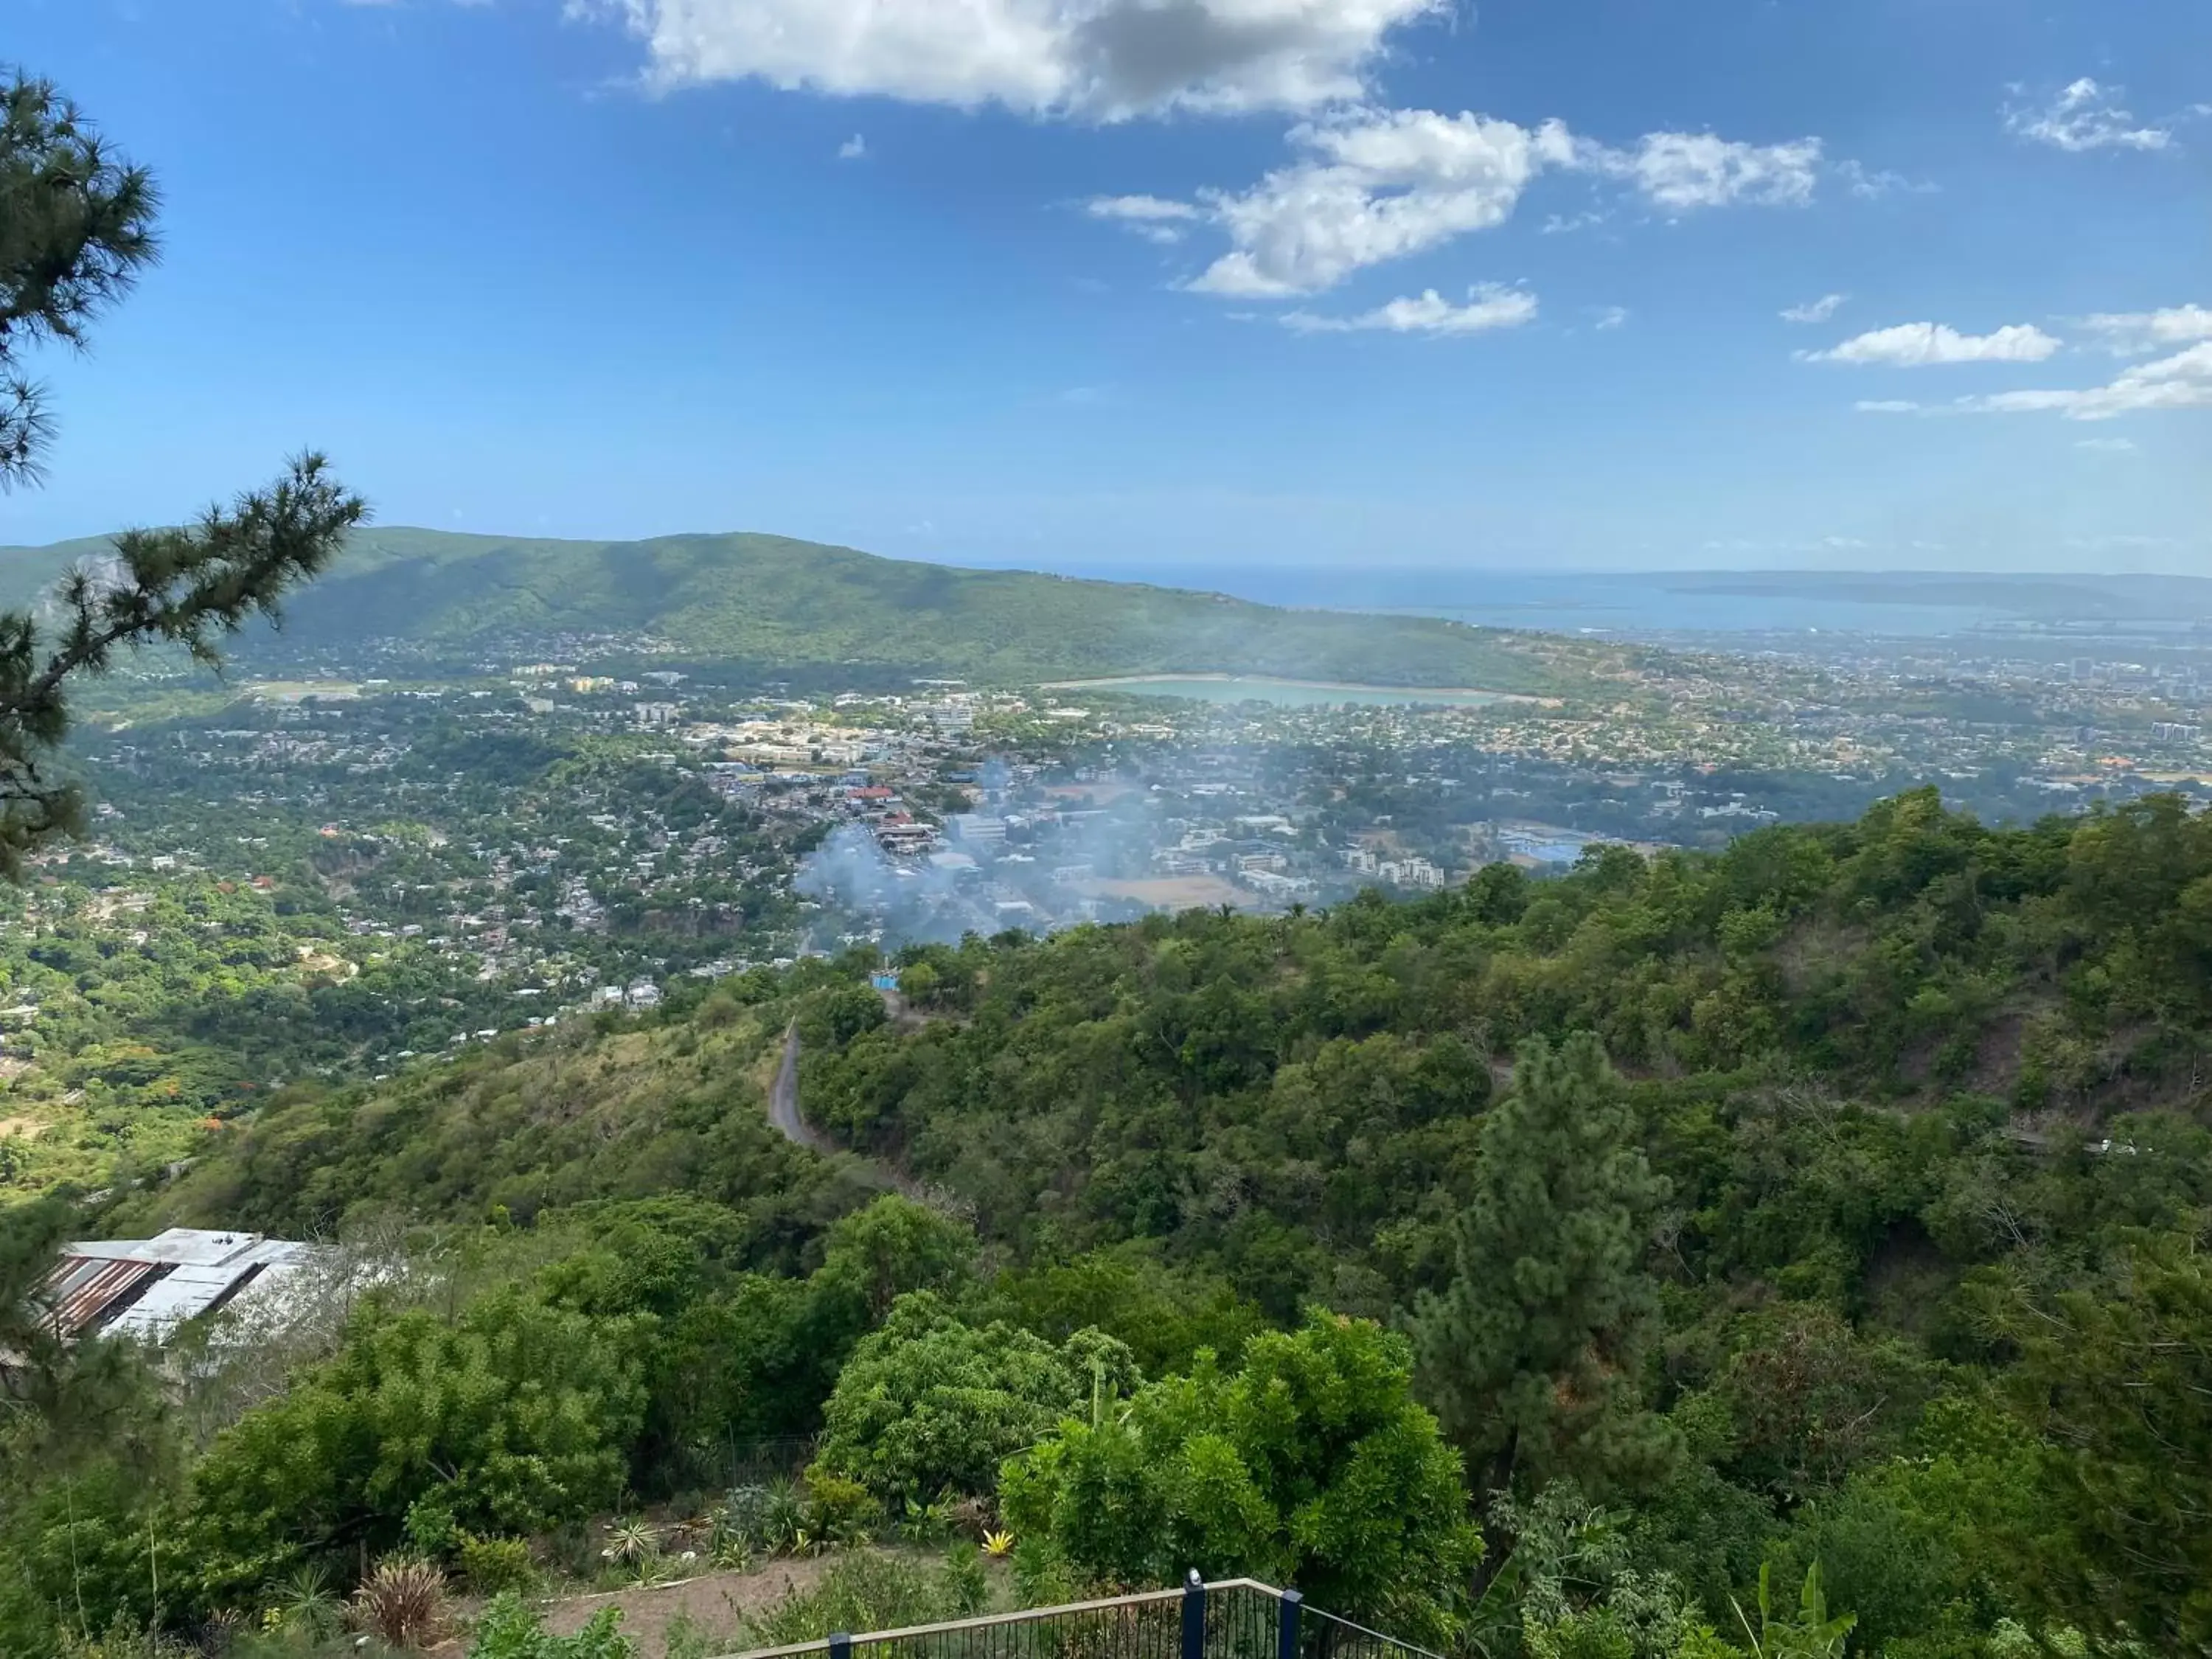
(147, 1287)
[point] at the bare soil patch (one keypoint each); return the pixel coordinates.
(716, 1602)
(1172, 892)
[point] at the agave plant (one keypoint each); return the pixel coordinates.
(631, 1542)
(998, 1545)
(402, 1603)
(783, 1516)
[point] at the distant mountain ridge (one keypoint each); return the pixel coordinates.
(777, 604)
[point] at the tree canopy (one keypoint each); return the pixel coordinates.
(76, 227)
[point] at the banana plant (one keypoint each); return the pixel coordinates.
(1811, 1635)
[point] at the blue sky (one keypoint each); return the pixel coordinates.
(1084, 283)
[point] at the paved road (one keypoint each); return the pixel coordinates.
(783, 1113)
(783, 1097)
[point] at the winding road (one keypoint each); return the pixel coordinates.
(783, 1113)
(783, 1098)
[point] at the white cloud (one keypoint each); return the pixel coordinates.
(1919, 345)
(853, 148)
(2106, 445)
(1609, 317)
(2085, 116)
(2137, 333)
(1561, 224)
(1103, 60)
(1680, 171)
(1374, 185)
(1815, 310)
(1869, 184)
(1143, 208)
(1488, 306)
(2183, 380)
(1152, 217)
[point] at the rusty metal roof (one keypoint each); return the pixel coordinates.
(86, 1291)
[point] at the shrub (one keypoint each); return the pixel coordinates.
(860, 1592)
(494, 1565)
(841, 1510)
(929, 1404)
(967, 1586)
(508, 1629)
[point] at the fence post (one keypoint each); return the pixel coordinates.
(840, 1644)
(1287, 1625)
(1194, 1617)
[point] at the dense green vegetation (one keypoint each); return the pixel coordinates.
(776, 608)
(157, 983)
(1858, 1300)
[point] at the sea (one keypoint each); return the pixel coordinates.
(1627, 605)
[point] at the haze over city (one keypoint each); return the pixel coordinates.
(1105, 829)
(1515, 285)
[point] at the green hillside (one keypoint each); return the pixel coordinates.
(1882, 1251)
(787, 607)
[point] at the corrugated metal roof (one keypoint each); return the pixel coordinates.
(146, 1288)
(183, 1293)
(200, 1245)
(86, 1293)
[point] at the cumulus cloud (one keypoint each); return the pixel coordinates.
(1371, 185)
(1920, 345)
(1489, 306)
(1374, 185)
(2139, 333)
(853, 148)
(2084, 116)
(1682, 172)
(1606, 318)
(1815, 310)
(1102, 59)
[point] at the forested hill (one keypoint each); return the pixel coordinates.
(1877, 1246)
(2024, 987)
(792, 608)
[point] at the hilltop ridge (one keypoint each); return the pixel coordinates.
(789, 608)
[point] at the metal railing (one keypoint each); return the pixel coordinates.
(1230, 1619)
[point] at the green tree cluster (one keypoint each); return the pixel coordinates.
(1309, 1464)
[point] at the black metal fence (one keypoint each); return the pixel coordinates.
(718, 1465)
(1233, 1618)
